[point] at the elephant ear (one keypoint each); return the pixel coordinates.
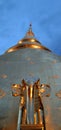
(45, 90)
(16, 90)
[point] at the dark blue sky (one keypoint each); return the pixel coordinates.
(45, 16)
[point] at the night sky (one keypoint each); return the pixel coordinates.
(45, 16)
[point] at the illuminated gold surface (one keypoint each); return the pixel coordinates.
(15, 89)
(32, 127)
(24, 116)
(30, 45)
(22, 101)
(31, 105)
(35, 118)
(39, 117)
(31, 89)
(29, 41)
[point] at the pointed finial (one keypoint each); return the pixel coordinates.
(30, 27)
(29, 33)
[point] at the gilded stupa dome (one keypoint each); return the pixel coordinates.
(29, 41)
(24, 69)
